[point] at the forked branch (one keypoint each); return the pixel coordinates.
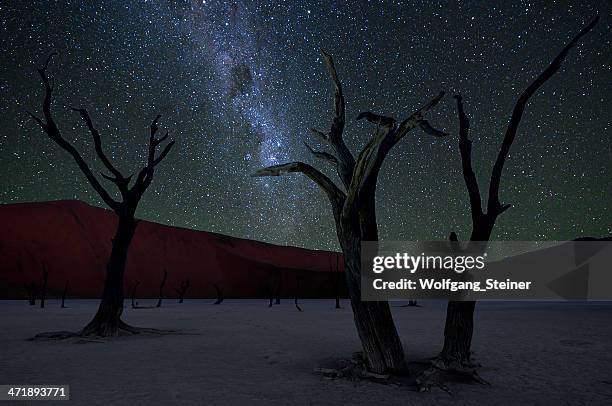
(374, 153)
(49, 126)
(346, 161)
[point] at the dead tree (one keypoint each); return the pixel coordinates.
(107, 320)
(275, 287)
(354, 212)
(43, 290)
(136, 283)
(278, 287)
(297, 292)
(64, 294)
(459, 326)
(32, 292)
(161, 289)
(336, 278)
(182, 290)
(219, 293)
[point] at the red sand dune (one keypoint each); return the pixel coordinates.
(73, 240)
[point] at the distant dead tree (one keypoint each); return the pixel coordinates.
(161, 289)
(275, 287)
(355, 213)
(136, 283)
(336, 280)
(107, 320)
(219, 293)
(43, 290)
(459, 326)
(278, 288)
(298, 277)
(182, 290)
(64, 294)
(32, 292)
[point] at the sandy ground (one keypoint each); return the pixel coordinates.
(242, 352)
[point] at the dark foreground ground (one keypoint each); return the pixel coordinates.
(242, 352)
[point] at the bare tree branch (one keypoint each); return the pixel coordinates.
(121, 181)
(50, 128)
(145, 176)
(377, 119)
(428, 129)
(163, 154)
(320, 135)
(416, 117)
(465, 148)
(370, 159)
(324, 156)
(335, 195)
(346, 161)
(494, 205)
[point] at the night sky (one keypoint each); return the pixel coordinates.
(238, 85)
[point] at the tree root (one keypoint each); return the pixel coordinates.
(355, 369)
(443, 369)
(93, 332)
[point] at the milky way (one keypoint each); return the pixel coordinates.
(239, 84)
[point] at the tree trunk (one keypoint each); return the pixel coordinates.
(64, 294)
(107, 321)
(458, 331)
(134, 294)
(43, 294)
(382, 346)
(297, 292)
(459, 325)
(161, 289)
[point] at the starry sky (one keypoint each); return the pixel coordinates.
(238, 84)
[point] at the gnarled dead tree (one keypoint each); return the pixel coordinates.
(161, 289)
(355, 214)
(107, 320)
(459, 326)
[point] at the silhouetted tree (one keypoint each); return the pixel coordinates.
(107, 320)
(298, 277)
(336, 275)
(182, 290)
(161, 289)
(275, 287)
(32, 292)
(64, 294)
(278, 286)
(219, 293)
(43, 290)
(459, 326)
(355, 213)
